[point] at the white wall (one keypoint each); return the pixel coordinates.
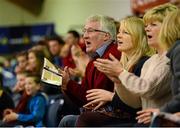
(65, 14)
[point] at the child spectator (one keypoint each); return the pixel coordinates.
(22, 62)
(19, 88)
(36, 106)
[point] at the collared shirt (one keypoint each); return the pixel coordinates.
(102, 49)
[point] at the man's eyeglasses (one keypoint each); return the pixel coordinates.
(90, 30)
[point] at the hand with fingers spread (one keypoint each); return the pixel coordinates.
(145, 116)
(110, 67)
(98, 97)
(65, 76)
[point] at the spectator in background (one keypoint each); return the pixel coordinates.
(18, 89)
(20, 82)
(72, 38)
(20, 96)
(5, 100)
(22, 60)
(55, 44)
(77, 58)
(81, 59)
(35, 61)
(36, 106)
(35, 64)
(42, 46)
(9, 77)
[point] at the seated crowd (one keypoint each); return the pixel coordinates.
(116, 74)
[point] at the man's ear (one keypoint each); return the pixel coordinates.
(107, 36)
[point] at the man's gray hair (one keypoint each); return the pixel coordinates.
(107, 24)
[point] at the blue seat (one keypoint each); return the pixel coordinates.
(55, 104)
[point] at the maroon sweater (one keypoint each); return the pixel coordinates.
(93, 79)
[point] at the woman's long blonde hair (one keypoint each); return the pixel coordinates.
(170, 29)
(136, 29)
